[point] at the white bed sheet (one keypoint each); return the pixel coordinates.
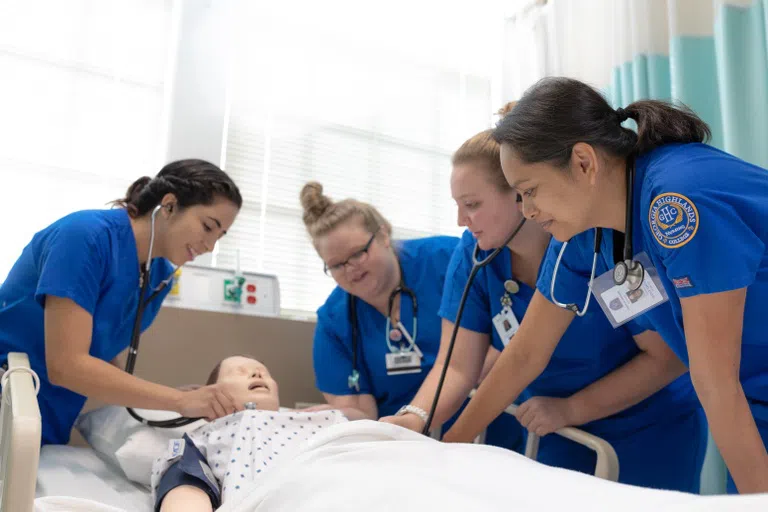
(78, 472)
(376, 467)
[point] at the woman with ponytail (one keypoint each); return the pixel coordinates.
(656, 427)
(70, 300)
(695, 218)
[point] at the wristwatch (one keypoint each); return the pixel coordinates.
(418, 411)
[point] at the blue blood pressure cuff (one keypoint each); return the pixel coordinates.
(190, 468)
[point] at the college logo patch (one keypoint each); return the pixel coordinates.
(682, 282)
(674, 220)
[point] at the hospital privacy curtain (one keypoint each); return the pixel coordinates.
(340, 103)
(711, 55)
(81, 107)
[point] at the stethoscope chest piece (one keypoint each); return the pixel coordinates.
(395, 335)
(511, 286)
(631, 273)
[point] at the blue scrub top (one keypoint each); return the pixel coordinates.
(91, 258)
(424, 262)
(590, 348)
(700, 215)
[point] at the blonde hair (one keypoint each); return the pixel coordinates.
(322, 215)
(483, 148)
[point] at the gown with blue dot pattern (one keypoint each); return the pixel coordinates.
(241, 447)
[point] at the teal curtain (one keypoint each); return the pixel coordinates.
(723, 77)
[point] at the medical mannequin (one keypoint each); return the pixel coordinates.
(387, 297)
(698, 217)
(657, 429)
(70, 300)
(216, 458)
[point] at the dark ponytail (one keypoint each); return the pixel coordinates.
(660, 122)
(556, 113)
(192, 181)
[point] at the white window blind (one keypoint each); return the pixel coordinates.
(371, 107)
(81, 107)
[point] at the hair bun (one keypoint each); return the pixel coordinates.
(133, 192)
(506, 109)
(314, 202)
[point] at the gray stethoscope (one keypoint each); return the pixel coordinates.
(136, 334)
(476, 266)
(627, 270)
(390, 334)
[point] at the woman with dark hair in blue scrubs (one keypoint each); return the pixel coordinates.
(70, 300)
(679, 220)
(656, 426)
(378, 333)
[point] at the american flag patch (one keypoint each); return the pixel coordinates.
(682, 282)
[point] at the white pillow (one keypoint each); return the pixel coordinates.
(126, 443)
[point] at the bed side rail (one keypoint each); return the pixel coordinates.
(20, 434)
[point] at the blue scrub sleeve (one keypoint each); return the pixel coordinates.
(573, 275)
(332, 358)
(191, 469)
(72, 265)
(705, 245)
(477, 313)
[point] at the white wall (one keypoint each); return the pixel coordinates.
(196, 90)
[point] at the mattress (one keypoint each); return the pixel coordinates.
(80, 473)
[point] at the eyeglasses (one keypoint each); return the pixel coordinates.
(357, 258)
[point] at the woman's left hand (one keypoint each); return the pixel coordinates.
(543, 415)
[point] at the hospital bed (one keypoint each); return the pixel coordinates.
(497, 478)
(80, 472)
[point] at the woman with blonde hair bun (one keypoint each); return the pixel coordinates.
(624, 385)
(378, 333)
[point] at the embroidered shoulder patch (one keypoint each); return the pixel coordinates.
(674, 220)
(682, 282)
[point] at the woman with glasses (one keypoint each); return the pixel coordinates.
(378, 333)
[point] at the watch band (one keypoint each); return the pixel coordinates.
(418, 411)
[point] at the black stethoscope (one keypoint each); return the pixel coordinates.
(391, 335)
(626, 269)
(136, 334)
(476, 266)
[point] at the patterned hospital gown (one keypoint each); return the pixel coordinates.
(241, 447)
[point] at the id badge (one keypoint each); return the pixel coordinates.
(506, 324)
(620, 304)
(403, 362)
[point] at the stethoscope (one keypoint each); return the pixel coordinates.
(133, 351)
(476, 266)
(627, 270)
(390, 335)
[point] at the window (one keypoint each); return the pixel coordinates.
(370, 112)
(82, 107)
